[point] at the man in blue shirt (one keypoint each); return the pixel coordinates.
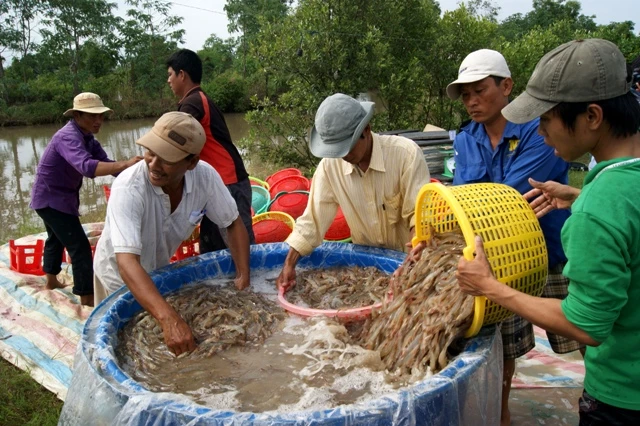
(491, 149)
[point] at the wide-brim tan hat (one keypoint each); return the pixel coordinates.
(174, 136)
(87, 102)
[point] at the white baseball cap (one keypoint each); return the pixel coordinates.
(477, 66)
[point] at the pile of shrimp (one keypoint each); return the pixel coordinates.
(428, 311)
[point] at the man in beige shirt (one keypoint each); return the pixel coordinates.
(375, 179)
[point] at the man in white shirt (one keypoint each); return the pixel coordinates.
(153, 207)
(375, 179)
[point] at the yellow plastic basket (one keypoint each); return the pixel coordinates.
(508, 226)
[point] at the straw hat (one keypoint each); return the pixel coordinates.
(87, 102)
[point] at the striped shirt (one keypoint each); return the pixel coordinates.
(378, 204)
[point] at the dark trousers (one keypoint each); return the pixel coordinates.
(210, 237)
(597, 413)
(65, 230)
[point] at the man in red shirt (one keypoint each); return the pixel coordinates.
(184, 69)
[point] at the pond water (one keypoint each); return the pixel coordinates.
(20, 151)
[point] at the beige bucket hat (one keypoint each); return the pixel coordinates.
(87, 102)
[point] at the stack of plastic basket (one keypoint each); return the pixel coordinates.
(272, 227)
(339, 230)
(293, 203)
(260, 198)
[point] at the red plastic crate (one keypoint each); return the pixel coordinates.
(185, 250)
(27, 258)
(189, 247)
(107, 191)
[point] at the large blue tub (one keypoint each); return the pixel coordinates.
(467, 392)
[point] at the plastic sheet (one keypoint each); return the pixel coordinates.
(466, 392)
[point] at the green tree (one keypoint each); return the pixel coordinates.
(544, 14)
(69, 23)
(217, 56)
(149, 36)
(17, 19)
(324, 47)
(248, 16)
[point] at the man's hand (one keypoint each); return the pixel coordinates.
(241, 281)
(287, 277)
(133, 160)
(177, 335)
(475, 276)
(550, 195)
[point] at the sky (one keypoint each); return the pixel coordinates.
(205, 17)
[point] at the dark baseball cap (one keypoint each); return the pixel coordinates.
(586, 70)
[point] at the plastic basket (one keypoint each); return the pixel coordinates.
(280, 174)
(352, 314)
(339, 230)
(508, 226)
(272, 227)
(289, 184)
(26, 258)
(107, 191)
(189, 247)
(260, 198)
(258, 182)
(293, 203)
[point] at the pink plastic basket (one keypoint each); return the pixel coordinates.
(353, 314)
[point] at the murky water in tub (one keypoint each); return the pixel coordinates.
(284, 363)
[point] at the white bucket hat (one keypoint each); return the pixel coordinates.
(477, 66)
(340, 121)
(87, 102)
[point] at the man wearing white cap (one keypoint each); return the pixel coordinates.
(153, 207)
(490, 148)
(580, 91)
(72, 154)
(375, 179)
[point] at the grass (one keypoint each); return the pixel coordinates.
(24, 401)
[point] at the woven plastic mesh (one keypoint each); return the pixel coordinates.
(272, 227)
(508, 226)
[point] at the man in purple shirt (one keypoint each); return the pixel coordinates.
(72, 153)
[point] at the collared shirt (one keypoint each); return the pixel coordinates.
(378, 204)
(70, 155)
(139, 218)
(521, 154)
(219, 150)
